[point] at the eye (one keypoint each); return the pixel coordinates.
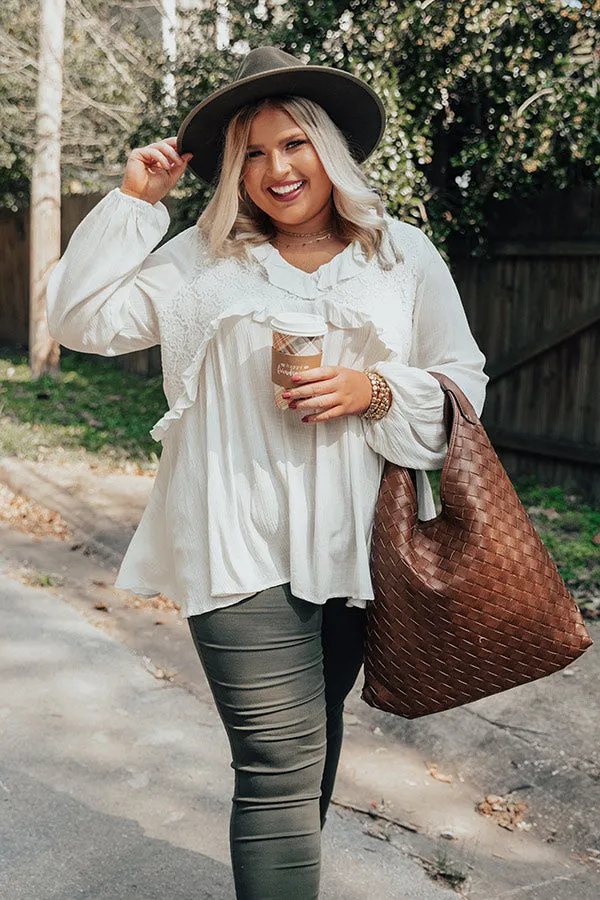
(296, 143)
(252, 154)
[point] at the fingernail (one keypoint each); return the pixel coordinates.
(292, 405)
(286, 394)
(296, 377)
(305, 419)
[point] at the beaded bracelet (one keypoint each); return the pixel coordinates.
(381, 399)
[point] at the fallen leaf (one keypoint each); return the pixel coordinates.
(378, 806)
(376, 831)
(163, 674)
(439, 776)
(89, 418)
(551, 514)
(507, 813)
(433, 770)
(29, 517)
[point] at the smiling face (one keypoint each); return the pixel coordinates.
(283, 174)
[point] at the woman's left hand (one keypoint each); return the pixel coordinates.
(330, 391)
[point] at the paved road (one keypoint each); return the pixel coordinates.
(114, 785)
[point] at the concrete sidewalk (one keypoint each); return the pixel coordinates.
(541, 739)
(113, 785)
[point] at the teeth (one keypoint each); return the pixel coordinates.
(288, 189)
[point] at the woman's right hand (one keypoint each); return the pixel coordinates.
(152, 171)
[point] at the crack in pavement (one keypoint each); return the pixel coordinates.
(514, 892)
(506, 727)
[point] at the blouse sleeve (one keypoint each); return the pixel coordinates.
(100, 294)
(412, 433)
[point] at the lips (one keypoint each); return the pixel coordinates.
(289, 195)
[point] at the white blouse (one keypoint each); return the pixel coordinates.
(247, 496)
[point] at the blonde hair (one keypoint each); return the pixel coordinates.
(232, 222)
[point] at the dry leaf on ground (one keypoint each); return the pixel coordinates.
(507, 813)
(439, 776)
(31, 518)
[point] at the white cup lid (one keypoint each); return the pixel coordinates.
(301, 324)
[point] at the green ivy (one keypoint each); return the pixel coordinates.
(484, 100)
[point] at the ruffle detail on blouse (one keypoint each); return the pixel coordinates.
(334, 314)
(310, 285)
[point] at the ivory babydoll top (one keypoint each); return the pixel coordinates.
(247, 496)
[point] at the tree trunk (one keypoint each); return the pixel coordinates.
(44, 232)
(223, 35)
(169, 42)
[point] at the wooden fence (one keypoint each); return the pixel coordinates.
(14, 279)
(534, 308)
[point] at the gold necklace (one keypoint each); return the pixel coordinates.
(316, 237)
(305, 234)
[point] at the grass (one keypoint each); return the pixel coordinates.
(570, 529)
(95, 410)
(43, 579)
(442, 868)
(92, 408)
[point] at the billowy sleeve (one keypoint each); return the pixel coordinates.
(412, 433)
(101, 294)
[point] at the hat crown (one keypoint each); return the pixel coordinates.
(265, 59)
(269, 72)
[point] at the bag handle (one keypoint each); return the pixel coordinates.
(455, 400)
(463, 404)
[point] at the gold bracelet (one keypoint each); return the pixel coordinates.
(381, 398)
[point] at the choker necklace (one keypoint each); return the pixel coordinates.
(314, 236)
(305, 234)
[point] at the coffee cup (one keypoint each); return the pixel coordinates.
(297, 346)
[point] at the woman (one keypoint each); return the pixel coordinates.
(260, 519)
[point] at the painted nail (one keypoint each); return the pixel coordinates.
(292, 405)
(305, 419)
(286, 394)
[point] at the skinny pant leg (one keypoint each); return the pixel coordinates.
(343, 638)
(264, 662)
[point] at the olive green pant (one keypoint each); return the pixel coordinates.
(280, 669)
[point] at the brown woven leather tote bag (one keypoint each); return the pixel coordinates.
(469, 603)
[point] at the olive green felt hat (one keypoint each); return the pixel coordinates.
(268, 72)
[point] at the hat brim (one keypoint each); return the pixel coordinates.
(350, 103)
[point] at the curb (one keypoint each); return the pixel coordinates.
(85, 524)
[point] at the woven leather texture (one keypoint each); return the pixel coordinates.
(467, 604)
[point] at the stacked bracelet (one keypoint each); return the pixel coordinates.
(381, 398)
